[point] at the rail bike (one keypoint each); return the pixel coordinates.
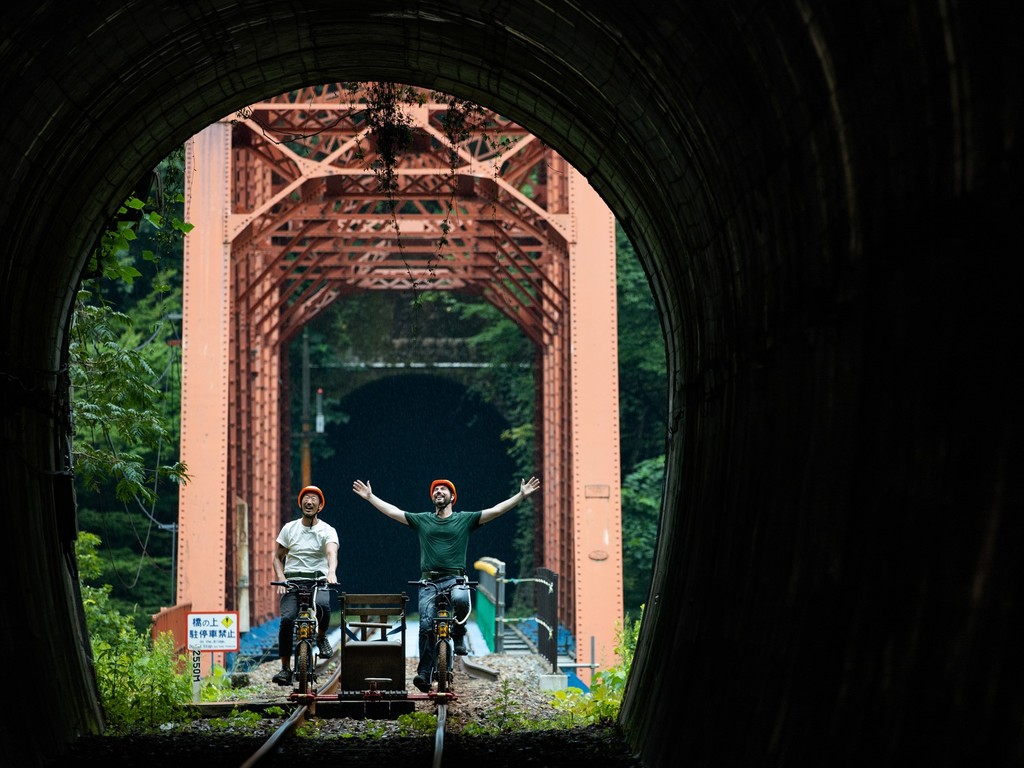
(305, 649)
(370, 679)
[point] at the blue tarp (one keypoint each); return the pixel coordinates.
(566, 642)
(255, 647)
(566, 647)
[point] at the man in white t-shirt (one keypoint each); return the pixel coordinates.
(307, 548)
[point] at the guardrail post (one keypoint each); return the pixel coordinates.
(546, 601)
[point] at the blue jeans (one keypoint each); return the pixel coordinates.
(461, 606)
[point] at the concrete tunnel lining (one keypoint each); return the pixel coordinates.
(821, 198)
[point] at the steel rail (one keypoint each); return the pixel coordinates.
(442, 718)
(297, 718)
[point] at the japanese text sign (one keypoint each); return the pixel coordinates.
(213, 631)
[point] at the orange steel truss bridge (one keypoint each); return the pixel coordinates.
(290, 217)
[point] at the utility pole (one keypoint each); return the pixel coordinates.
(307, 435)
(306, 460)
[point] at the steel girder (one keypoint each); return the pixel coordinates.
(294, 219)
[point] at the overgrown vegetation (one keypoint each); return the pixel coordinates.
(417, 723)
(122, 440)
(139, 683)
(123, 355)
(601, 704)
(236, 720)
(506, 716)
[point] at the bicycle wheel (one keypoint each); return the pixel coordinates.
(304, 665)
(444, 662)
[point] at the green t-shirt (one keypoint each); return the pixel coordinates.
(444, 542)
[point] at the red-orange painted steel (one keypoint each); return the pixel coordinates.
(286, 227)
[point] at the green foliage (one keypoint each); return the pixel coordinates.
(138, 685)
(113, 407)
(120, 435)
(123, 352)
(230, 685)
(375, 729)
(391, 128)
(113, 258)
(309, 729)
(507, 716)
(214, 685)
(601, 704)
(641, 509)
(89, 564)
(138, 682)
(578, 709)
(642, 403)
(140, 583)
(115, 397)
(416, 723)
(244, 720)
(105, 623)
(643, 383)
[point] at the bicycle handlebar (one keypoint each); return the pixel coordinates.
(322, 582)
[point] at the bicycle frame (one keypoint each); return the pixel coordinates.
(305, 650)
(444, 643)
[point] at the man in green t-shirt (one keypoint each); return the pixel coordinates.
(444, 541)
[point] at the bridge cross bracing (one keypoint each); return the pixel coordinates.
(290, 217)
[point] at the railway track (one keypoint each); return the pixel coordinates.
(344, 703)
(292, 723)
(216, 740)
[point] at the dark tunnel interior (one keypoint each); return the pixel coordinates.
(825, 198)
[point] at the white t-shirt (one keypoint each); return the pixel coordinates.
(307, 547)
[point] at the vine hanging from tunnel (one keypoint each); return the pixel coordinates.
(391, 137)
(392, 131)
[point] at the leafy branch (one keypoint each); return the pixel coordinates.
(114, 402)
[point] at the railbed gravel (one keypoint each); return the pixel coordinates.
(515, 697)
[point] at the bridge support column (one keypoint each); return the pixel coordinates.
(203, 502)
(596, 489)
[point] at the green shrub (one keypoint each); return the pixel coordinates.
(601, 704)
(416, 723)
(139, 685)
(237, 720)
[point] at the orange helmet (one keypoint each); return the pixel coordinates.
(317, 491)
(451, 487)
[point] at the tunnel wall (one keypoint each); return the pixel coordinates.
(823, 197)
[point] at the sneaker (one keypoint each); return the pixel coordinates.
(284, 677)
(323, 645)
(421, 683)
(460, 646)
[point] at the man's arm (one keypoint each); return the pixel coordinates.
(364, 491)
(332, 562)
(279, 555)
(526, 487)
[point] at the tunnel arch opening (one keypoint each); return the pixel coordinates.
(172, 111)
(822, 198)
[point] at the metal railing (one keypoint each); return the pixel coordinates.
(490, 606)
